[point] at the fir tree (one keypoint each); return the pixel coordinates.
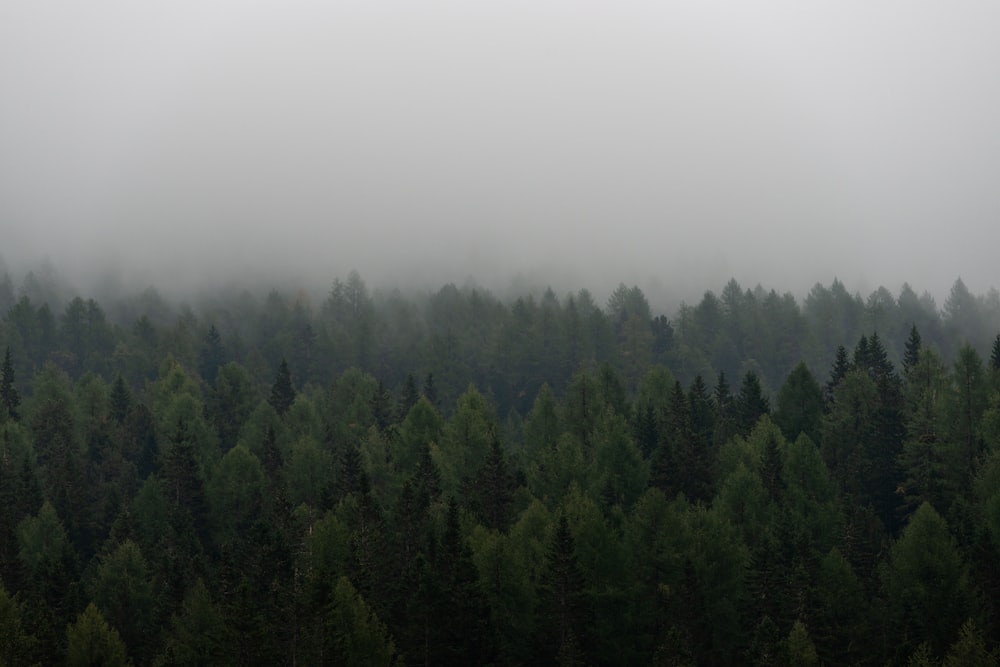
(430, 390)
(911, 356)
(408, 398)
(841, 367)
(751, 403)
(121, 400)
(9, 398)
(282, 391)
(211, 356)
(564, 620)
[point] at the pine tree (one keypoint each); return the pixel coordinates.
(121, 400)
(911, 356)
(381, 402)
(430, 390)
(995, 355)
(492, 491)
(841, 367)
(211, 357)
(9, 398)
(408, 398)
(564, 616)
(282, 391)
(91, 641)
(725, 412)
(751, 403)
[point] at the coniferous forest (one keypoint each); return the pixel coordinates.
(452, 478)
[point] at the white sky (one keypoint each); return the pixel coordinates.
(670, 143)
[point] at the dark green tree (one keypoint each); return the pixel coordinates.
(9, 398)
(800, 405)
(282, 391)
(912, 353)
(121, 400)
(751, 403)
(91, 641)
(564, 623)
(841, 366)
(926, 584)
(211, 356)
(407, 398)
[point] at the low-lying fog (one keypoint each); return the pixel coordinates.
(667, 144)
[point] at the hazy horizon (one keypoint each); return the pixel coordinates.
(670, 145)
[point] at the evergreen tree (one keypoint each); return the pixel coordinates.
(841, 366)
(282, 391)
(751, 403)
(407, 398)
(9, 398)
(91, 641)
(382, 407)
(995, 354)
(726, 425)
(121, 400)
(429, 390)
(492, 489)
(926, 584)
(912, 353)
(800, 405)
(564, 623)
(16, 644)
(212, 356)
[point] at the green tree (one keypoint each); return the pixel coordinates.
(751, 403)
(9, 398)
(800, 649)
(969, 650)
(197, 633)
(51, 587)
(926, 584)
(211, 356)
(282, 391)
(16, 644)
(800, 405)
(466, 438)
(123, 591)
(564, 623)
(911, 356)
(230, 402)
(359, 638)
(91, 641)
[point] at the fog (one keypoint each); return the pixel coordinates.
(668, 144)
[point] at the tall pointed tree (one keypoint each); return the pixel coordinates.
(912, 353)
(282, 391)
(841, 366)
(751, 403)
(9, 398)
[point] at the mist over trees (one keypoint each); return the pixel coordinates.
(452, 477)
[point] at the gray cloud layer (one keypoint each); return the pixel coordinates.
(673, 143)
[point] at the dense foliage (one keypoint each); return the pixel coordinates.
(454, 479)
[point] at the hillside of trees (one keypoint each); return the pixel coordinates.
(451, 478)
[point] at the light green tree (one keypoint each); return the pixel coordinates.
(91, 641)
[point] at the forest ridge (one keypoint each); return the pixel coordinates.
(261, 480)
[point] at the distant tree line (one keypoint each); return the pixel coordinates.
(454, 479)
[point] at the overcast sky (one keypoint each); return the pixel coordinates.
(662, 143)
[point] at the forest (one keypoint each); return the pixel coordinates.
(452, 478)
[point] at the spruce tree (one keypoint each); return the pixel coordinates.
(408, 398)
(9, 398)
(211, 356)
(841, 367)
(751, 403)
(911, 356)
(564, 616)
(282, 391)
(121, 400)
